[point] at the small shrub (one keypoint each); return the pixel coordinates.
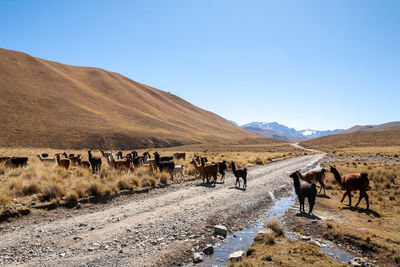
(52, 191)
(123, 184)
(30, 188)
(163, 177)
(135, 181)
(275, 226)
(4, 199)
(72, 197)
(95, 189)
(259, 161)
(270, 239)
(329, 225)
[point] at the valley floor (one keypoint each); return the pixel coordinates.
(158, 228)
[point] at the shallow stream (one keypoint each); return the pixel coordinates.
(242, 240)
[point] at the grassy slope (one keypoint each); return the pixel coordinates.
(48, 104)
(361, 139)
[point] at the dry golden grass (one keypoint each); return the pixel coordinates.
(385, 151)
(47, 182)
(275, 226)
(355, 140)
(377, 231)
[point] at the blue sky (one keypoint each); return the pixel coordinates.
(306, 64)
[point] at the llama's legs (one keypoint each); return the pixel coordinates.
(349, 195)
(344, 195)
(311, 203)
(245, 183)
(301, 200)
(366, 199)
(322, 186)
(363, 194)
(360, 197)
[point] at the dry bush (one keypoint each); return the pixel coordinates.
(96, 188)
(275, 226)
(72, 197)
(123, 184)
(30, 188)
(51, 191)
(163, 177)
(4, 199)
(148, 181)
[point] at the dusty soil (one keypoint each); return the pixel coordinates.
(161, 227)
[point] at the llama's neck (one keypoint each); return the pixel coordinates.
(196, 165)
(296, 183)
(157, 159)
(337, 176)
(233, 167)
(301, 176)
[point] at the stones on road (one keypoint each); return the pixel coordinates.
(220, 230)
(197, 258)
(236, 256)
(208, 250)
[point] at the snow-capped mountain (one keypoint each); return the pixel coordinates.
(276, 130)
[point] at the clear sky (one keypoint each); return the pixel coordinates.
(306, 64)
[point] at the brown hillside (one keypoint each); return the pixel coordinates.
(372, 128)
(359, 139)
(48, 104)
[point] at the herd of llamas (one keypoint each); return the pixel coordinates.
(206, 170)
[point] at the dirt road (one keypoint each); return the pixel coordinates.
(144, 229)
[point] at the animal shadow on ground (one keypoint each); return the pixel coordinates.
(323, 196)
(308, 216)
(208, 185)
(237, 188)
(362, 210)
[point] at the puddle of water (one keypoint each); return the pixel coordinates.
(337, 254)
(331, 250)
(242, 240)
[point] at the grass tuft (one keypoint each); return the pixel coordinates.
(276, 227)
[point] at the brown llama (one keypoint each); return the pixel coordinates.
(209, 170)
(304, 191)
(352, 182)
(65, 163)
(313, 177)
(123, 164)
(198, 167)
(178, 156)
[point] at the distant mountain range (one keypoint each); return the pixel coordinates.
(280, 131)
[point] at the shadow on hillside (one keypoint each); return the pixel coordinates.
(308, 216)
(323, 196)
(362, 210)
(237, 188)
